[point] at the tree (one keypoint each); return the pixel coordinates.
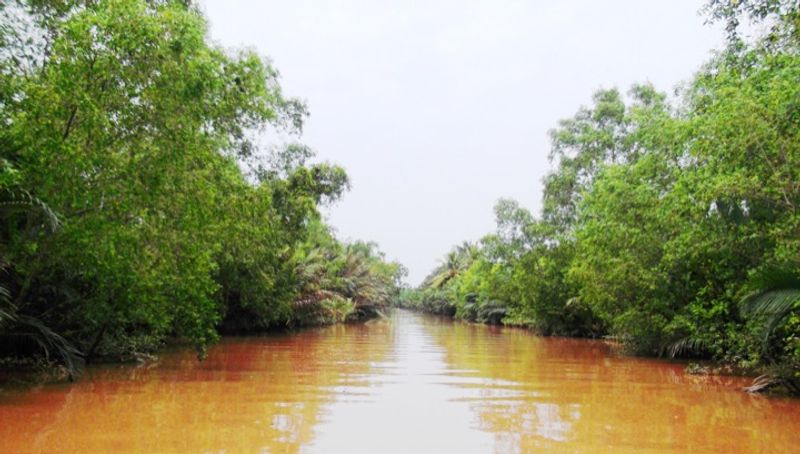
(139, 136)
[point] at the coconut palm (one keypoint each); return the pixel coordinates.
(340, 279)
(455, 262)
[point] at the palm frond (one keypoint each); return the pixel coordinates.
(7, 308)
(777, 294)
(23, 202)
(6, 317)
(688, 344)
(771, 305)
(313, 299)
(33, 330)
(5, 296)
(770, 302)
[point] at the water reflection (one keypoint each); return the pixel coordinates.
(409, 407)
(251, 394)
(572, 395)
(409, 385)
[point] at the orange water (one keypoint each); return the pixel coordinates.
(411, 384)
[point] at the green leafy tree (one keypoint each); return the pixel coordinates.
(139, 136)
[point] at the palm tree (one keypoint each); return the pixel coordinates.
(777, 295)
(337, 279)
(15, 326)
(455, 263)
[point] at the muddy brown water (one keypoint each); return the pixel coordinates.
(409, 384)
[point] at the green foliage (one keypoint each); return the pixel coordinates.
(781, 14)
(776, 298)
(663, 224)
(453, 265)
(773, 308)
(17, 330)
(350, 280)
(135, 203)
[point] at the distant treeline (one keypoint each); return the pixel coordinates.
(134, 202)
(669, 224)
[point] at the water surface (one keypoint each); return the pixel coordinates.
(411, 384)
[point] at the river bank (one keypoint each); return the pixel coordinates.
(39, 369)
(760, 379)
(411, 383)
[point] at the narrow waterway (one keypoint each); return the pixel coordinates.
(410, 384)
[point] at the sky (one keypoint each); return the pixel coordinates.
(438, 108)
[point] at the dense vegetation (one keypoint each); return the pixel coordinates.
(136, 204)
(669, 224)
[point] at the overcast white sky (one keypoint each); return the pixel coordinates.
(438, 108)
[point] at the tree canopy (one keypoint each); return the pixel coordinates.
(137, 204)
(668, 224)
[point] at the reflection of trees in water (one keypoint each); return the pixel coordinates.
(537, 393)
(532, 394)
(250, 393)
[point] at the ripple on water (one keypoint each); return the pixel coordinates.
(411, 384)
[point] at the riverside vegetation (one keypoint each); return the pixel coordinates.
(671, 225)
(136, 206)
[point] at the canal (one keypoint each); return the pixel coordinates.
(409, 384)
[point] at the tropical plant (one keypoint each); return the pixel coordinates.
(342, 281)
(659, 214)
(776, 296)
(454, 264)
(16, 328)
(773, 305)
(125, 119)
